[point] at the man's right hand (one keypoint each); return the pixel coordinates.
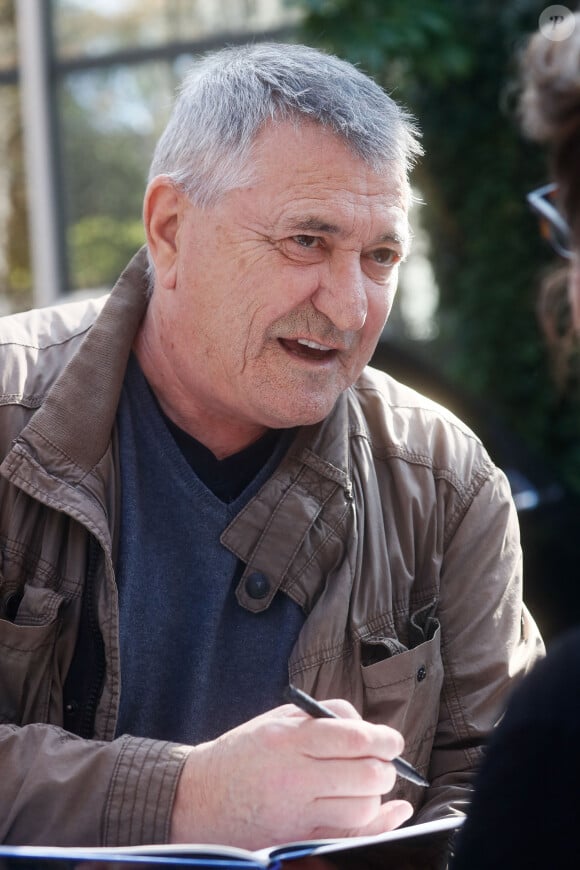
(285, 776)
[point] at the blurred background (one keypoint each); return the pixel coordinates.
(86, 87)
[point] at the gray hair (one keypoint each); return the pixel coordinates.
(229, 95)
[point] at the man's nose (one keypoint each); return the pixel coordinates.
(341, 293)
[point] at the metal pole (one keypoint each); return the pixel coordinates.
(36, 101)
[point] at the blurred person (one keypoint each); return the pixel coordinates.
(206, 493)
(524, 812)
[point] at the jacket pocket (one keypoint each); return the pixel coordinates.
(402, 688)
(28, 636)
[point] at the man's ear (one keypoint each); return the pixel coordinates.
(162, 210)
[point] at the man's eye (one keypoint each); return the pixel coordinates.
(306, 241)
(385, 256)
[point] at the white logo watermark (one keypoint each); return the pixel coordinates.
(557, 23)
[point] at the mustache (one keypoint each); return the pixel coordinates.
(310, 323)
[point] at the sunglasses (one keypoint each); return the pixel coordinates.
(553, 227)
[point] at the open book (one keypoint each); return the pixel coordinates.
(397, 848)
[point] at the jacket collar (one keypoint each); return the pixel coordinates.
(61, 455)
(78, 413)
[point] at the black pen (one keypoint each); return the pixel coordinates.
(319, 711)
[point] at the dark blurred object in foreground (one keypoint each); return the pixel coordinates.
(509, 824)
(549, 514)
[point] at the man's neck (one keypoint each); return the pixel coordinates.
(223, 436)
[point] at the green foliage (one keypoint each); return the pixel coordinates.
(453, 64)
(420, 38)
(100, 248)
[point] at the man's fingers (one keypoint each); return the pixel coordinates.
(393, 814)
(362, 817)
(350, 738)
(342, 813)
(353, 777)
(343, 709)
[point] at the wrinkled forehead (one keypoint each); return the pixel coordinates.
(310, 147)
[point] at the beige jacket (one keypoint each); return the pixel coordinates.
(387, 523)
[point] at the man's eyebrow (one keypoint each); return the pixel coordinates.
(318, 225)
(391, 237)
(313, 224)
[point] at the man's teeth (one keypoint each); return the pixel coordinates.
(311, 344)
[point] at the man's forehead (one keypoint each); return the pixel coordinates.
(325, 198)
(313, 150)
(307, 179)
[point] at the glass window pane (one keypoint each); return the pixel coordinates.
(15, 277)
(110, 120)
(8, 48)
(83, 27)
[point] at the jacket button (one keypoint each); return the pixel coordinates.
(257, 585)
(421, 674)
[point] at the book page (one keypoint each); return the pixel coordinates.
(200, 853)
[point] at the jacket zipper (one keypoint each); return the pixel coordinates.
(90, 708)
(82, 690)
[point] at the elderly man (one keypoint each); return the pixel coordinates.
(205, 494)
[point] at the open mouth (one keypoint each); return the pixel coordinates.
(309, 350)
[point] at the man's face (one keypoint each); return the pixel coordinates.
(280, 291)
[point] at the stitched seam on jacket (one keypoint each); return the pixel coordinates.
(71, 336)
(146, 787)
(125, 761)
(324, 655)
(451, 694)
(426, 461)
(436, 412)
(28, 486)
(273, 514)
(107, 822)
(62, 453)
(42, 567)
(465, 490)
(466, 500)
(28, 401)
(332, 531)
(72, 512)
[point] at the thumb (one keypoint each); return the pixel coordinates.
(391, 815)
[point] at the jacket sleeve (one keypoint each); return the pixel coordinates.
(59, 789)
(488, 640)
